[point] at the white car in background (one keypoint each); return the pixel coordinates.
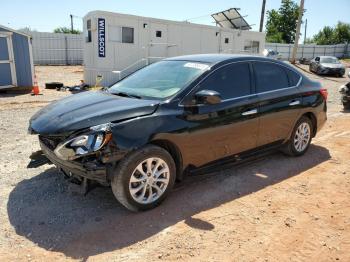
(272, 54)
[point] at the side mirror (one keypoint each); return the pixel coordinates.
(208, 97)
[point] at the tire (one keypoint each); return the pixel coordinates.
(292, 147)
(132, 167)
(346, 105)
(53, 85)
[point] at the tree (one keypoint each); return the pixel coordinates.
(325, 36)
(66, 30)
(333, 35)
(281, 24)
(342, 33)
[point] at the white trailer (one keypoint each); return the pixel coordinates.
(118, 44)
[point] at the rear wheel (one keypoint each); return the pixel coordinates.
(346, 105)
(144, 179)
(300, 139)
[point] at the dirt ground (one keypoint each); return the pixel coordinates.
(276, 208)
(68, 75)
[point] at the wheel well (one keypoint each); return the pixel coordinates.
(174, 152)
(313, 119)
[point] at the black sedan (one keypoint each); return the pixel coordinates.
(327, 65)
(183, 115)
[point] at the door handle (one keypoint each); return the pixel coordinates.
(294, 103)
(250, 112)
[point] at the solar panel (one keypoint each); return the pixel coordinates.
(231, 18)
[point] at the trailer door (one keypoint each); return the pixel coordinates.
(7, 65)
(226, 44)
(158, 47)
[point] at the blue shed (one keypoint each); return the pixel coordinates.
(16, 59)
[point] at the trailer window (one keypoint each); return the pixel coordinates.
(226, 40)
(251, 46)
(128, 35)
(159, 34)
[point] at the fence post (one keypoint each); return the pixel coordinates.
(302, 52)
(288, 52)
(66, 48)
(324, 52)
(346, 50)
(313, 54)
(335, 49)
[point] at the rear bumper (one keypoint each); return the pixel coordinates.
(321, 117)
(91, 171)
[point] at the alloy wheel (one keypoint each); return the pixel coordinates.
(149, 180)
(302, 137)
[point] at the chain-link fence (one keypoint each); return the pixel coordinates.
(57, 49)
(310, 51)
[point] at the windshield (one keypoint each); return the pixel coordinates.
(329, 60)
(160, 80)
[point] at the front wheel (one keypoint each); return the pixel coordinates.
(300, 139)
(318, 71)
(143, 179)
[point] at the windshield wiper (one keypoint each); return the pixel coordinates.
(126, 95)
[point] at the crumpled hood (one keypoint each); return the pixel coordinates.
(330, 65)
(88, 109)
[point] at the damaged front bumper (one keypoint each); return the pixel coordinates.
(331, 71)
(89, 170)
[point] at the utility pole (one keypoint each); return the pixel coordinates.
(262, 16)
(71, 24)
(297, 33)
(305, 31)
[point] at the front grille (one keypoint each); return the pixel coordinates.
(51, 141)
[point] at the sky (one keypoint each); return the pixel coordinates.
(44, 15)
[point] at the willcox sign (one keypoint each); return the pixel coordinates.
(101, 29)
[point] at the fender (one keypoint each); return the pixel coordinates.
(164, 125)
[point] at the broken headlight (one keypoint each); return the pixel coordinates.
(84, 144)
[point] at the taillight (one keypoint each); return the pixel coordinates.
(324, 93)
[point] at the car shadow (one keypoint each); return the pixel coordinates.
(44, 210)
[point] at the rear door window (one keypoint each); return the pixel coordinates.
(230, 81)
(294, 77)
(270, 77)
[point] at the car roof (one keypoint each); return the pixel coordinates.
(217, 58)
(220, 59)
(327, 56)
